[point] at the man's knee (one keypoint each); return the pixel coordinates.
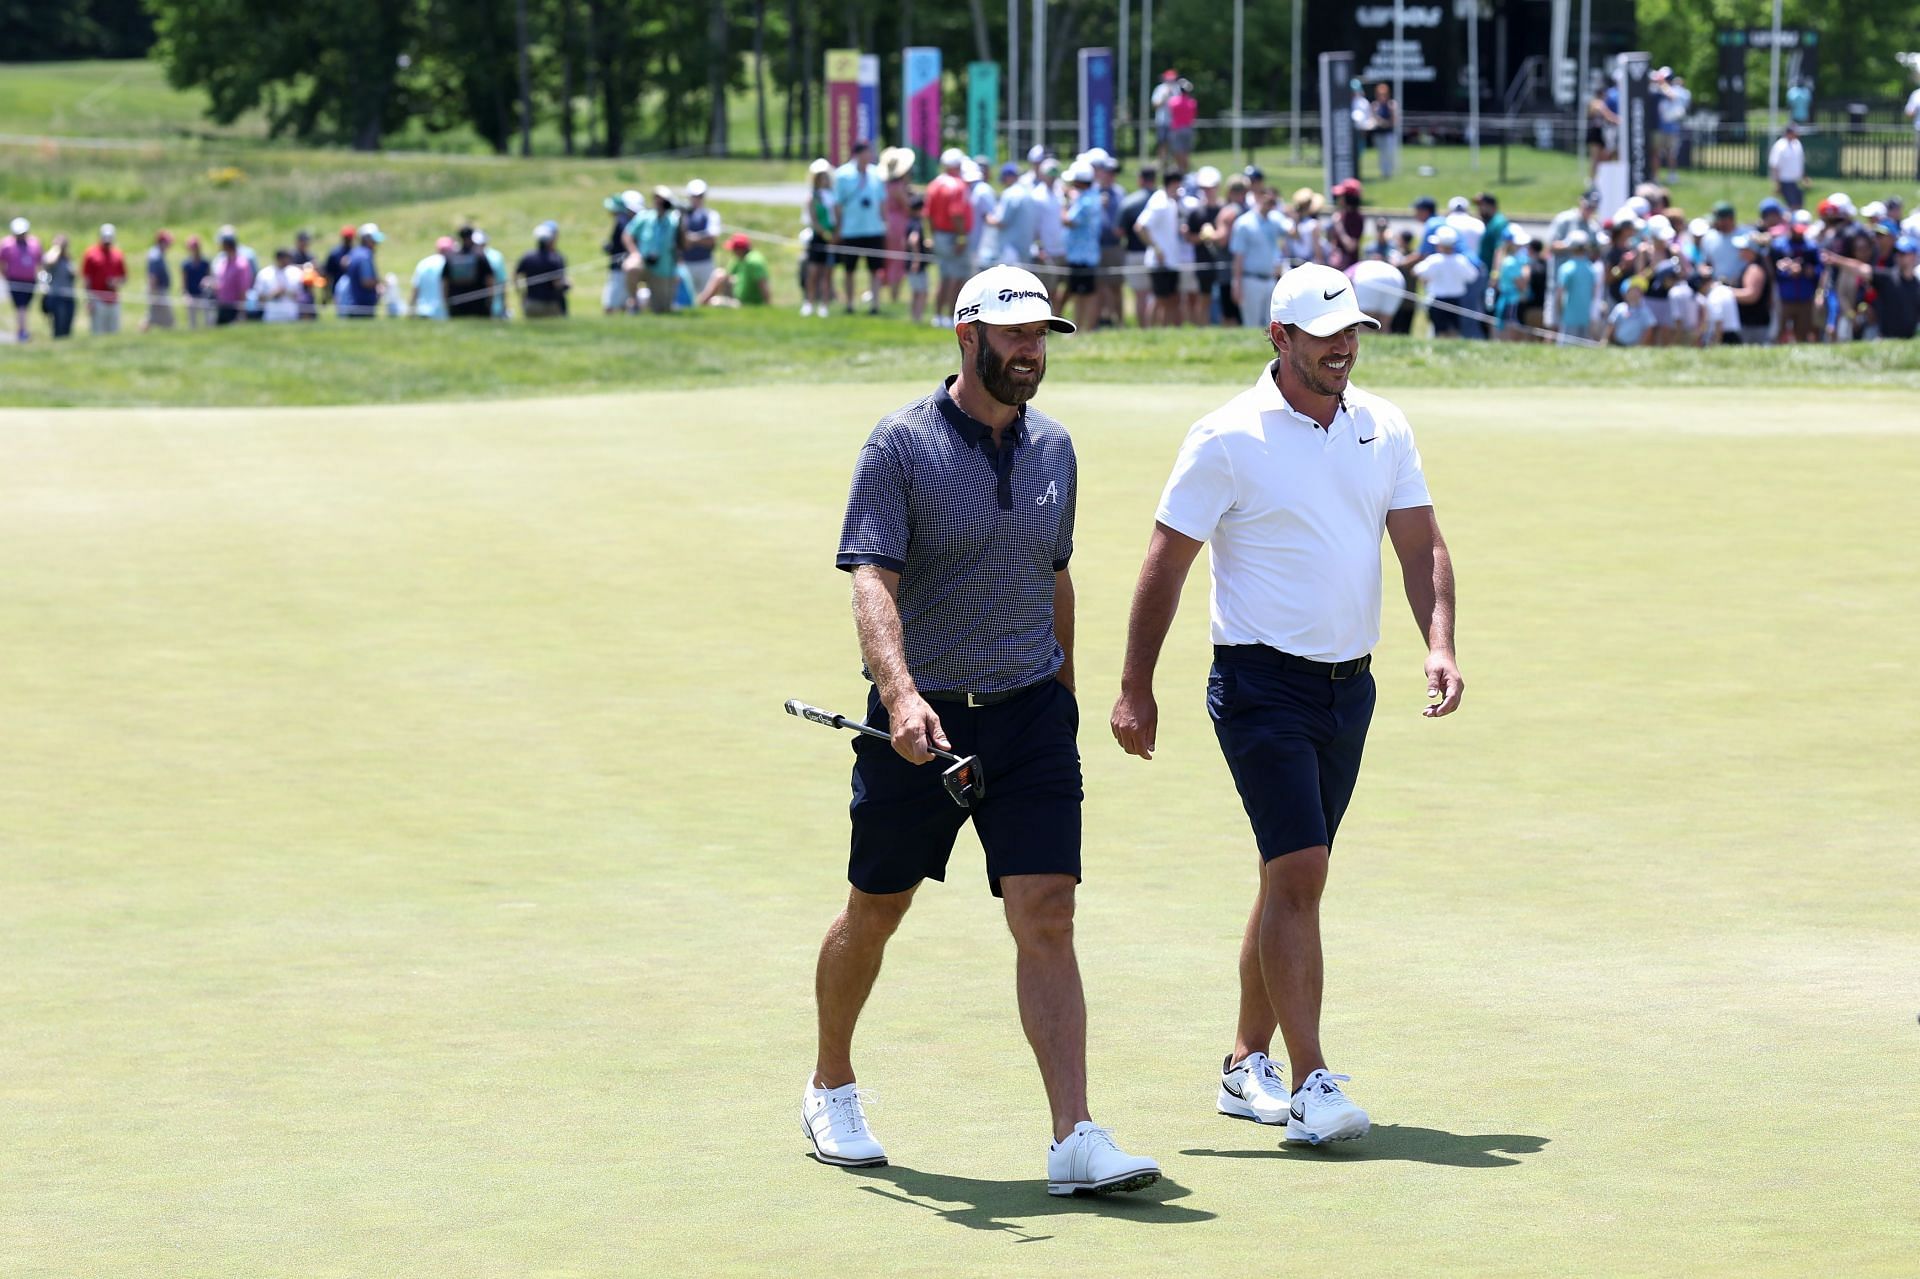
(876, 915)
(1294, 881)
(1039, 908)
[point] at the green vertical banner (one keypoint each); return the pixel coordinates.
(983, 110)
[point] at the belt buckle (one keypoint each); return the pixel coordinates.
(972, 699)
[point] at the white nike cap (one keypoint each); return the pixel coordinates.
(1008, 295)
(1319, 299)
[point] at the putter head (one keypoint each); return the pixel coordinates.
(966, 781)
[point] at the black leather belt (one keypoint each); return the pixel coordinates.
(980, 699)
(1274, 659)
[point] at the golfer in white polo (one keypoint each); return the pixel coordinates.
(1292, 481)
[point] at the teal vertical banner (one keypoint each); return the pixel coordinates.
(983, 110)
(920, 116)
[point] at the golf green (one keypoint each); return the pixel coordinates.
(407, 867)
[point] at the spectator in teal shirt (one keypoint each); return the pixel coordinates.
(1573, 287)
(862, 195)
(654, 236)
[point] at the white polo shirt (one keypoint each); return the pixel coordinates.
(1295, 516)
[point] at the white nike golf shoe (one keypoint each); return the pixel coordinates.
(836, 1124)
(1321, 1112)
(1252, 1088)
(1089, 1161)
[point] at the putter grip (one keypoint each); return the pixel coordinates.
(797, 707)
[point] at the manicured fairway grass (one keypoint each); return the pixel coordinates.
(407, 868)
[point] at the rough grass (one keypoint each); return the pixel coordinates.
(389, 361)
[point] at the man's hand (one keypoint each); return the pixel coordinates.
(1443, 682)
(914, 728)
(1135, 723)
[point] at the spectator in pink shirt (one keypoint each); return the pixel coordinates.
(20, 263)
(1182, 112)
(232, 278)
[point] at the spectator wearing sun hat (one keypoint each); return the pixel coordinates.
(653, 249)
(822, 230)
(617, 297)
(541, 275)
(104, 268)
(20, 264)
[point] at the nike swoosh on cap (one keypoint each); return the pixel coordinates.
(1328, 297)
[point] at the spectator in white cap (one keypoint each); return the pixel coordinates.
(1050, 231)
(949, 208)
(700, 232)
(20, 264)
(1084, 219)
(1449, 276)
(496, 275)
(1469, 231)
(653, 247)
(104, 269)
(823, 228)
(361, 280)
(1292, 484)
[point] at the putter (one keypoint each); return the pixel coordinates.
(965, 779)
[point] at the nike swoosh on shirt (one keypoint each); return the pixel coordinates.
(1370, 439)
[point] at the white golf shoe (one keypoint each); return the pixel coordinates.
(836, 1124)
(1321, 1112)
(1253, 1088)
(1089, 1161)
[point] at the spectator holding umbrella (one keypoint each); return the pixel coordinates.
(20, 264)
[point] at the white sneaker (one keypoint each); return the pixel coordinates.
(806, 308)
(1322, 1113)
(1088, 1160)
(836, 1124)
(1253, 1089)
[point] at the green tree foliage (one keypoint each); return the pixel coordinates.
(1858, 39)
(43, 30)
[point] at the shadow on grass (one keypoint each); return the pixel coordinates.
(1006, 1206)
(1399, 1141)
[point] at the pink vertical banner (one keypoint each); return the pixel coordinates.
(920, 81)
(843, 103)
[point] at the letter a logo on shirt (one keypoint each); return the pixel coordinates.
(1051, 495)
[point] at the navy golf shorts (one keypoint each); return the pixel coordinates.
(1293, 742)
(904, 822)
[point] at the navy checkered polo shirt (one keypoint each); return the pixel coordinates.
(976, 535)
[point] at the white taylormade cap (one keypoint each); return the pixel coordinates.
(1319, 299)
(1008, 295)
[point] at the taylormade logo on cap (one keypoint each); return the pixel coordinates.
(1318, 299)
(1007, 295)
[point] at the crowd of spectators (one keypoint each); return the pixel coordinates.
(465, 277)
(1176, 249)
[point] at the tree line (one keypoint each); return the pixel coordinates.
(612, 77)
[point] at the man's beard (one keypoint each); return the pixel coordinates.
(998, 382)
(1317, 379)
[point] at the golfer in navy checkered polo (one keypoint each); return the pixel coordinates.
(958, 531)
